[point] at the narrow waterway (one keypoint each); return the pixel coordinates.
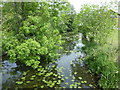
(73, 68)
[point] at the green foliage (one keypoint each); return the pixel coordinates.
(15, 12)
(100, 61)
(64, 18)
(27, 53)
(97, 25)
(36, 39)
(0, 43)
(30, 50)
(8, 41)
(35, 36)
(95, 22)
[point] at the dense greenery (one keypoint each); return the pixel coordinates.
(32, 34)
(97, 25)
(36, 32)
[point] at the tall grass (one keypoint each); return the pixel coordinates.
(102, 60)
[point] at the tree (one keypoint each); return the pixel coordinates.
(95, 22)
(34, 36)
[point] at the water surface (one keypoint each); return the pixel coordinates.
(70, 61)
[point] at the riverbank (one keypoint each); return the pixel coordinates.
(102, 60)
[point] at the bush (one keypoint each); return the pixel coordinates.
(36, 42)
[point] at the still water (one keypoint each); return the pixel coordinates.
(73, 67)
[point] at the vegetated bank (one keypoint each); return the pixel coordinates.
(101, 39)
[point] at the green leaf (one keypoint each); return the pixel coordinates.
(80, 78)
(19, 82)
(75, 73)
(23, 78)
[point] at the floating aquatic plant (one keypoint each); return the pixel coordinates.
(83, 81)
(19, 82)
(80, 78)
(79, 87)
(42, 86)
(24, 73)
(72, 80)
(66, 83)
(66, 77)
(23, 78)
(75, 73)
(73, 77)
(90, 85)
(27, 81)
(32, 78)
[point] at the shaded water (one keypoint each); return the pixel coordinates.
(74, 69)
(72, 63)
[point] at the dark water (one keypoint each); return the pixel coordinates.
(70, 61)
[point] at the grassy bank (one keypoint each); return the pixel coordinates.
(102, 60)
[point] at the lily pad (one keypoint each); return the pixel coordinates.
(73, 77)
(24, 73)
(80, 78)
(42, 86)
(90, 85)
(73, 80)
(66, 83)
(59, 76)
(79, 87)
(27, 81)
(23, 78)
(19, 82)
(75, 73)
(66, 77)
(31, 78)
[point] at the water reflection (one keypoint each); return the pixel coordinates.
(70, 62)
(9, 73)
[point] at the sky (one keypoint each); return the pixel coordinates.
(78, 3)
